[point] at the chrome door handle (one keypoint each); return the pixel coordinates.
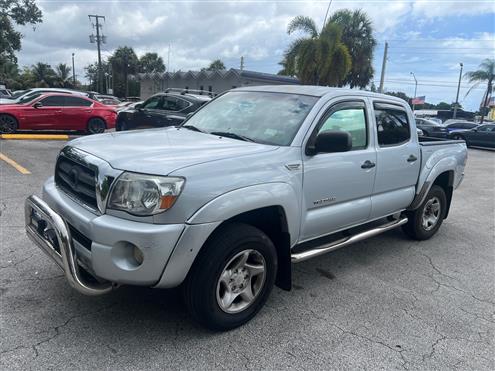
(368, 165)
(412, 158)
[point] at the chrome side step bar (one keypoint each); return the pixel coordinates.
(323, 249)
(54, 232)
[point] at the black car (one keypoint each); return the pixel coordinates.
(162, 109)
(432, 128)
(480, 136)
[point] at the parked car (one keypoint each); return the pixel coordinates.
(432, 128)
(30, 94)
(456, 125)
(56, 111)
(258, 179)
(162, 109)
(129, 104)
(479, 136)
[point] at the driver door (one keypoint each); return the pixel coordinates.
(337, 187)
(47, 116)
(145, 116)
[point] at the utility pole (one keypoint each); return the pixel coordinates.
(99, 40)
(457, 95)
(415, 90)
(384, 65)
(73, 72)
(242, 63)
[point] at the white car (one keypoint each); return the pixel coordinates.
(30, 94)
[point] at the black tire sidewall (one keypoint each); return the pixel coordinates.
(421, 233)
(202, 283)
(16, 125)
(96, 120)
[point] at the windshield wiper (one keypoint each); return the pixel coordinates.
(192, 127)
(228, 134)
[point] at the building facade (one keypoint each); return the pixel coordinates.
(208, 81)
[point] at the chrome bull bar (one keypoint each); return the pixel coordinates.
(52, 235)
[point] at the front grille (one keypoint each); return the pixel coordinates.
(77, 180)
(79, 237)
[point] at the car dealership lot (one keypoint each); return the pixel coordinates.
(387, 302)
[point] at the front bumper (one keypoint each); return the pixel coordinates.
(103, 245)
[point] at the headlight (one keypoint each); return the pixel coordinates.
(140, 194)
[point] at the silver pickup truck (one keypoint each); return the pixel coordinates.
(256, 180)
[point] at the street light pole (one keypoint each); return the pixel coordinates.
(73, 72)
(457, 95)
(415, 89)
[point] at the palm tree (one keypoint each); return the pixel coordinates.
(357, 35)
(63, 75)
(43, 74)
(485, 73)
(318, 59)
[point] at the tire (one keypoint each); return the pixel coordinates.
(213, 281)
(96, 126)
(460, 137)
(121, 126)
(8, 124)
(424, 222)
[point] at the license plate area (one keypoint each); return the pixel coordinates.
(44, 229)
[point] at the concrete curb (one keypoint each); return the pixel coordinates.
(35, 136)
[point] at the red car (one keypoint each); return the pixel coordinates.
(57, 111)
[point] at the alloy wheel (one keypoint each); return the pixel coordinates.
(431, 213)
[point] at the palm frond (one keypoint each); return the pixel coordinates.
(303, 23)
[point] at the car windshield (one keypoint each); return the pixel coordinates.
(264, 117)
(29, 97)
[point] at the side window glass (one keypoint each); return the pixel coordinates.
(53, 101)
(485, 128)
(152, 103)
(392, 126)
(352, 120)
(77, 102)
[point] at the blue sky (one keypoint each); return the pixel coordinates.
(428, 38)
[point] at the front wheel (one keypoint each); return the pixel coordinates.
(425, 221)
(8, 124)
(96, 126)
(231, 278)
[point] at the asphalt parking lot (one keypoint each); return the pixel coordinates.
(385, 303)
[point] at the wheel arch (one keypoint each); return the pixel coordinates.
(445, 179)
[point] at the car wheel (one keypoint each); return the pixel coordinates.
(425, 221)
(121, 126)
(231, 278)
(96, 126)
(8, 124)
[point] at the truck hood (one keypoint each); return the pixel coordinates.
(162, 151)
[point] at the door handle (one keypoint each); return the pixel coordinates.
(368, 165)
(412, 158)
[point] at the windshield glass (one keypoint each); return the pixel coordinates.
(29, 97)
(263, 117)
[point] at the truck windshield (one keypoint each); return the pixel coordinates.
(263, 117)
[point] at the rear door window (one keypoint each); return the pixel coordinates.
(77, 102)
(392, 125)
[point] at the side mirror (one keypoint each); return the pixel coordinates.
(332, 141)
(138, 106)
(38, 105)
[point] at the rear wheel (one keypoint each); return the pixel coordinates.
(8, 124)
(96, 126)
(232, 277)
(425, 221)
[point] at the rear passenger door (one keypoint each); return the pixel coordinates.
(76, 113)
(398, 160)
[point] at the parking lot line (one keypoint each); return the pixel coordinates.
(14, 164)
(35, 136)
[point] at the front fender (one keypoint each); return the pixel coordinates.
(250, 198)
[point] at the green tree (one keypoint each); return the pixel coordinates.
(318, 59)
(357, 35)
(124, 62)
(12, 12)
(443, 106)
(151, 62)
(43, 75)
(63, 76)
(216, 65)
(485, 74)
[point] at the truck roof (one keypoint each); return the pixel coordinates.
(317, 91)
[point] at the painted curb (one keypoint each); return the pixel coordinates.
(35, 136)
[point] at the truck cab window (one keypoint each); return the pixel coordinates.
(392, 126)
(352, 120)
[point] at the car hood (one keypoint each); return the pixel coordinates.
(165, 150)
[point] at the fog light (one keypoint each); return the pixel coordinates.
(138, 255)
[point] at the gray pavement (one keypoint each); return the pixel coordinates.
(385, 303)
